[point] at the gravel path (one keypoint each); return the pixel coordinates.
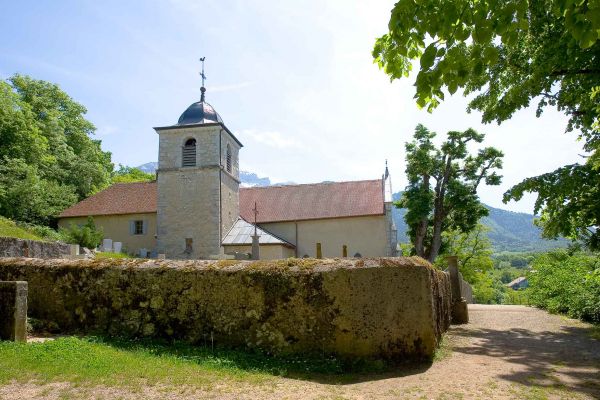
(506, 352)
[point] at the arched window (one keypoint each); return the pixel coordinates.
(189, 153)
(228, 158)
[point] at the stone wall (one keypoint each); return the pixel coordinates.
(394, 308)
(13, 247)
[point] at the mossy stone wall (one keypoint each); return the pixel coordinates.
(393, 308)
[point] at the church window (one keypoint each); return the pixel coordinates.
(228, 158)
(189, 153)
(137, 227)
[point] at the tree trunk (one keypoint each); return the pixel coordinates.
(439, 213)
(421, 230)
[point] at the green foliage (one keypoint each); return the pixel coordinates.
(520, 297)
(47, 159)
(474, 251)
(507, 53)
(442, 191)
(129, 174)
(86, 235)
(568, 201)
(567, 283)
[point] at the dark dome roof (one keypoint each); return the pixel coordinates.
(199, 113)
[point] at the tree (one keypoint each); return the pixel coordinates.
(474, 252)
(569, 201)
(47, 159)
(128, 174)
(473, 249)
(507, 54)
(442, 191)
(86, 235)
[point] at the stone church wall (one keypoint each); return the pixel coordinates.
(390, 308)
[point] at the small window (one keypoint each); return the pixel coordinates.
(189, 153)
(137, 227)
(228, 158)
(188, 246)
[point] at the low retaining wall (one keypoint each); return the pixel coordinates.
(13, 247)
(393, 308)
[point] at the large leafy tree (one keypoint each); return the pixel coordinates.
(129, 174)
(48, 160)
(504, 55)
(442, 186)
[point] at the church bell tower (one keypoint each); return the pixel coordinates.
(198, 182)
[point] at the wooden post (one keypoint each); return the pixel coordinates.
(319, 251)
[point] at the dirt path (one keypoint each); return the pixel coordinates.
(506, 352)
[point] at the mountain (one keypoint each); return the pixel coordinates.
(149, 168)
(509, 231)
(250, 179)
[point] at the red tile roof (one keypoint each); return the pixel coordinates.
(275, 203)
(120, 198)
(312, 201)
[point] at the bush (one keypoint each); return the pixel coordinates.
(567, 283)
(86, 235)
(43, 231)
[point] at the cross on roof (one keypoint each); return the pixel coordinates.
(202, 89)
(255, 211)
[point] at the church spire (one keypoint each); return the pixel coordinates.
(387, 172)
(202, 88)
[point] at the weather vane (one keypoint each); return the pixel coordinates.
(202, 89)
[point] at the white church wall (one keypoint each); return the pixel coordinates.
(364, 235)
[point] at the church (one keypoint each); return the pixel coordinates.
(197, 209)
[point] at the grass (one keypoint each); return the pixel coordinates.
(106, 254)
(443, 351)
(9, 228)
(127, 363)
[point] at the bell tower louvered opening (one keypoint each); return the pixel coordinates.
(189, 153)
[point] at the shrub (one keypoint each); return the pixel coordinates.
(86, 235)
(567, 283)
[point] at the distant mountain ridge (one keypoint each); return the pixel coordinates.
(509, 231)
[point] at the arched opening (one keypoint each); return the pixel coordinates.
(189, 153)
(228, 158)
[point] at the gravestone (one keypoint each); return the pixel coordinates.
(13, 311)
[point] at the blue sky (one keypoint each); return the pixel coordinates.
(294, 81)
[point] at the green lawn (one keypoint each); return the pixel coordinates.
(93, 361)
(8, 228)
(106, 254)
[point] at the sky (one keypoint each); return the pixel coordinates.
(294, 81)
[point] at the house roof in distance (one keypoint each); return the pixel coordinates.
(120, 198)
(312, 201)
(275, 203)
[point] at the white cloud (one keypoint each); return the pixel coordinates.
(272, 139)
